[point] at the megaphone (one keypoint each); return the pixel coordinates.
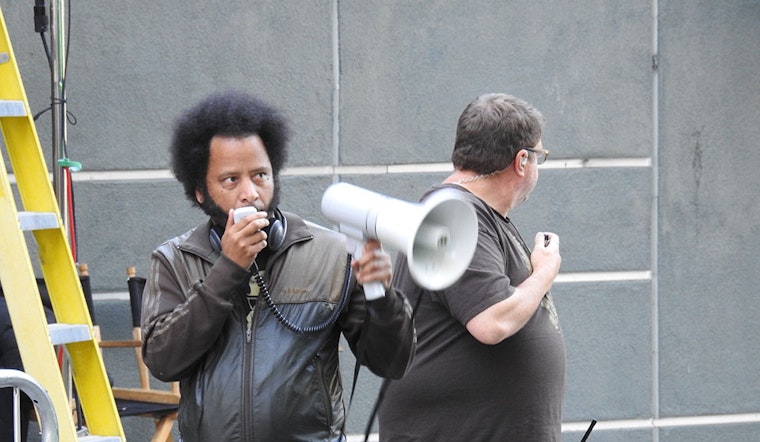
(438, 236)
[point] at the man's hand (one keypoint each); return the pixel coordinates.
(545, 255)
(374, 265)
(242, 241)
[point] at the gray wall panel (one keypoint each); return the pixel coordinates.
(128, 219)
(133, 66)
(303, 196)
(732, 432)
(409, 71)
(709, 207)
(404, 187)
(607, 328)
(599, 434)
(601, 215)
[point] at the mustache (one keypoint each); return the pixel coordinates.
(219, 215)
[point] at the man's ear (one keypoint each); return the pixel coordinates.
(199, 196)
(520, 162)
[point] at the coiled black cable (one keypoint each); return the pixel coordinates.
(285, 321)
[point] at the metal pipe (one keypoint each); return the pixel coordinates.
(48, 419)
(58, 104)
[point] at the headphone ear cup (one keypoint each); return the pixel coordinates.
(275, 233)
(215, 240)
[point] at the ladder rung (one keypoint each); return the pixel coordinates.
(37, 220)
(68, 333)
(12, 108)
(93, 438)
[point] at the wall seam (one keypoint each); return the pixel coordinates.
(655, 294)
(137, 175)
(335, 89)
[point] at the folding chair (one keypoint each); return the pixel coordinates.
(160, 405)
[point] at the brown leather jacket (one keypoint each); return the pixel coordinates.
(265, 382)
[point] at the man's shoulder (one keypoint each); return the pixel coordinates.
(179, 239)
(190, 239)
(324, 233)
(299, 227)
(318, 237)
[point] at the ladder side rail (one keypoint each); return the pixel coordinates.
(18, 380)
(25, 308)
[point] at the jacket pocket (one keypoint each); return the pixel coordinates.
(322, 391)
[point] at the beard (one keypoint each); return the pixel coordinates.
(219, 216)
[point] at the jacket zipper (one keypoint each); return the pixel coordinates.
(246, 413)
(249, 325)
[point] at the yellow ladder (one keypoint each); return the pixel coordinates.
(41, 216)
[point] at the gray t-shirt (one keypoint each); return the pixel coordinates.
(460, 389)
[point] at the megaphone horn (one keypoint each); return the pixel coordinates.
(438, 236)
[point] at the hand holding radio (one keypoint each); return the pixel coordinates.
(244, 236)
(545, 254)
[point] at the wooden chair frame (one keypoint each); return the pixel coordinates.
(129, 400)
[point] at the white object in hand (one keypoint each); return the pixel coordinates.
(242, 212)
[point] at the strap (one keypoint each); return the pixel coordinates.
(360, 351)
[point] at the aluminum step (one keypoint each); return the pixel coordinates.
(29, 221)
(12, 108)
(68, 333)
(93, 438)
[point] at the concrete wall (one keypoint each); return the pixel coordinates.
(652, 184)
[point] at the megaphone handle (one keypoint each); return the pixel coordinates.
(372, 290)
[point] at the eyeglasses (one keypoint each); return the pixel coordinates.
(541, 154)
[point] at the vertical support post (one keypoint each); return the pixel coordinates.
(58, 105)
